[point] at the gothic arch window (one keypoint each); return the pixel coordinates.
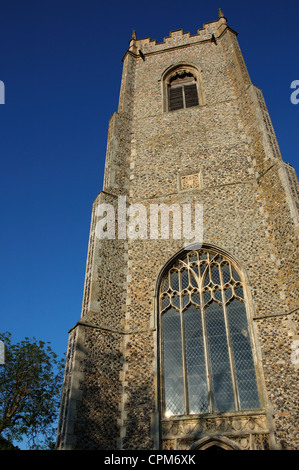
(207, 361)
(181, 88)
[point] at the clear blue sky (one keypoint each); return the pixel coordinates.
(61, 64)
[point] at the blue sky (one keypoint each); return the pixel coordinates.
(61, 65)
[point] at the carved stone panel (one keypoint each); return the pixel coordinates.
(246, 431)
(190, 181)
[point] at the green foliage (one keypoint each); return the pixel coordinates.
(30, 387)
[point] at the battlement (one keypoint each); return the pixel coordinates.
(210, 32)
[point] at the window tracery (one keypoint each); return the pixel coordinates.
(182, 91)
(182, 88)
(207, 358)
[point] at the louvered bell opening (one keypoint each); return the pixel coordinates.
(176, 98)
(191, 97)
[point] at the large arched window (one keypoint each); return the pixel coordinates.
(207, 360)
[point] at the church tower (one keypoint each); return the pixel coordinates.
(188, 337)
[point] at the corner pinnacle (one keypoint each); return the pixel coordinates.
(220, 14)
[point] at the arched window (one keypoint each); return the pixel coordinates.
(182, 91)
(207, 360)
(182, 88)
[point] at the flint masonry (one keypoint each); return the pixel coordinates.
(190, 347)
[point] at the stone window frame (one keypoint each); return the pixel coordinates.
(180, 69)
(249, 313)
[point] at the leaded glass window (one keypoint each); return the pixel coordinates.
(207, 359)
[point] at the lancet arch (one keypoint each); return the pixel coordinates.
(215, 443)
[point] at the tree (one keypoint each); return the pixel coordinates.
(30, 386)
